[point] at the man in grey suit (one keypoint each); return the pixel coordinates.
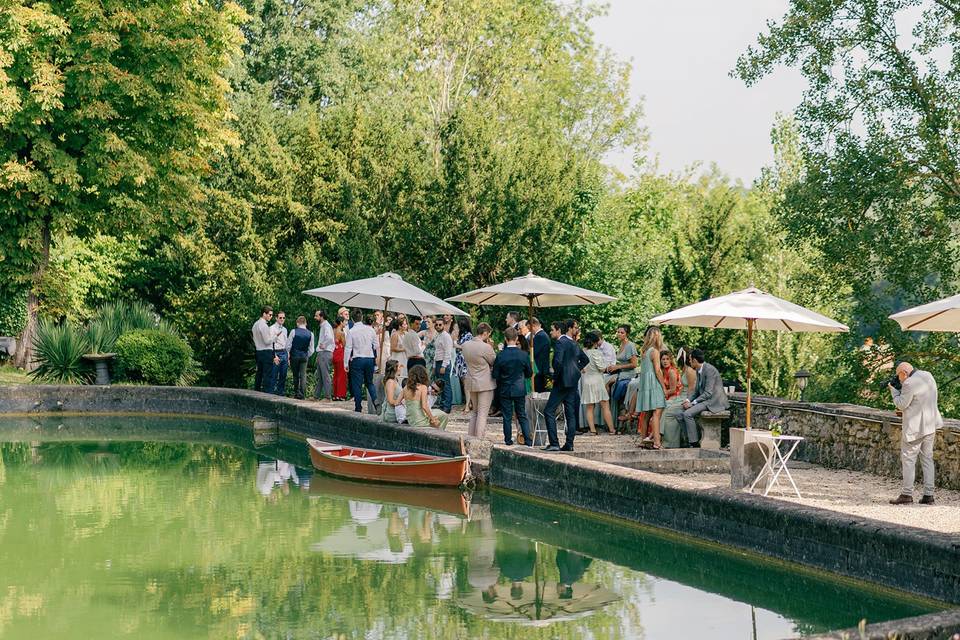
(917, 399)
(709, 395)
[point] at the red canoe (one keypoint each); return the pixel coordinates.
(387, 466)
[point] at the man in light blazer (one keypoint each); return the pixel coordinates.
(479, 357)
(917, 399)
(709, 395)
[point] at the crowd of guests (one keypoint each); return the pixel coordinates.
(431, 364)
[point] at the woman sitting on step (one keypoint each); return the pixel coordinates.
(419, 413)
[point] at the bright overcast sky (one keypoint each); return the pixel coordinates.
(681, 52)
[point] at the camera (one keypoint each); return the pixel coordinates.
(893, 382)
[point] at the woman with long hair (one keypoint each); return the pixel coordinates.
(419, 413)
(623, 372)
(396, 345)
(464, 334)
(650, 394)
(593, 391)
(339, 373)
(671, 424)
(429, 347)
(393, 408)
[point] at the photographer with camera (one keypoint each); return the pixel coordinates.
(915, 394)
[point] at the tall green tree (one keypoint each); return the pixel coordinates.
(878, 200)
(110, 113)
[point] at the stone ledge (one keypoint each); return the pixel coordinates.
(910, 559)
(934, 626)
(306, 420)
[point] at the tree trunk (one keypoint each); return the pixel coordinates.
(24, 356)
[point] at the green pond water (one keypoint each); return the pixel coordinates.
(173, 528)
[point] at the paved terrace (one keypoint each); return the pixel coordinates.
(851, 492)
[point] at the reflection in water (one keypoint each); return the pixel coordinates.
(170, 540)
(276, 474)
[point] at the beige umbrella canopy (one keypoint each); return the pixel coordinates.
(387, 292)
(532, 291)
(749, 309)
(942, 315)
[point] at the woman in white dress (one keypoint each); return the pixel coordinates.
(396, 345)
(593, 388)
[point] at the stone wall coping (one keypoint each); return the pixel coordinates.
(834, 408)
(932, 626)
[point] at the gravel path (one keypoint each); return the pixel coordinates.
(860, 494)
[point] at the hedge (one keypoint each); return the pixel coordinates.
(152, 356)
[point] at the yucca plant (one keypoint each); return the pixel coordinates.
(102, 334)
(59, 350)
(127, 316)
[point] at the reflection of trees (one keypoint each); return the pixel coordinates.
(172, 540)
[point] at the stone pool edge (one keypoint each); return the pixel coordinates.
(913, 560)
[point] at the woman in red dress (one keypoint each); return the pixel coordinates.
(339, 373)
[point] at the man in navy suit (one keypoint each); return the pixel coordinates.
(568, 361)
(510, 369)
(541, 355)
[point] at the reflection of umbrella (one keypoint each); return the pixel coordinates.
(386, 292)
(942, 315)
(749, 309)
(540, 603)
(532, 291)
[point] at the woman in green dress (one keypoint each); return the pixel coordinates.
(393, 409)
(650, 396)
(429, 347)
(419, 413)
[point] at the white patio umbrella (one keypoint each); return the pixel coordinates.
(749, 309)
(942, 315)
(387, 292)
(532, 291)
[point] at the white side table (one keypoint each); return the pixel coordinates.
(776, 458)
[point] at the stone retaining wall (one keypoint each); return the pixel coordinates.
(933, 626)
(910, 559)
(847, 436)
(305, 420)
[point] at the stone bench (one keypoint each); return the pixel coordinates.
(711, 426)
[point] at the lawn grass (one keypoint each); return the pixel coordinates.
(12, 375)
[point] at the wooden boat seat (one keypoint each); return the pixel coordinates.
(388, 456)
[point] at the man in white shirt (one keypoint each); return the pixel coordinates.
(281, 360)
(359, 359)
(442, 359)
(608, 350)
(325, 346)
(262, 343)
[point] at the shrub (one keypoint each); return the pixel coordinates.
(13, 314)
(152, 356)
(59, 350)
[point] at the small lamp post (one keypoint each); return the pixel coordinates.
(801, 377)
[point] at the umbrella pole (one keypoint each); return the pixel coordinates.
(383, 334)
(530, 344)
(749, 365)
